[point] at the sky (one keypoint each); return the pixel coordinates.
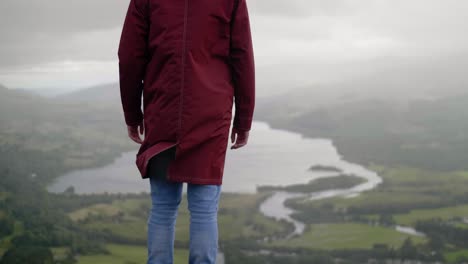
(65, 45)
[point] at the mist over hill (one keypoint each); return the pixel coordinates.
(390, 79)
(416, 129)
(423, 133)
(108, 94)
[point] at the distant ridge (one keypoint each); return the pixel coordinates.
(108, 93)
(11, 96)
(20, 106)
(42, 92)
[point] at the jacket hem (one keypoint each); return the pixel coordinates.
(143, 159)
(195, 180)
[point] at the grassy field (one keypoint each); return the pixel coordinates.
(96, 209)
(444, 213)
(403, 180)
(371, 198)
(346, 236)
(406, 186)
(123, 254)
(402, 188)
(453, 256)
(238, 217)
(6, 241)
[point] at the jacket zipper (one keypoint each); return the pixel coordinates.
(184, 39)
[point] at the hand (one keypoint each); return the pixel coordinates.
(242, 138)
(133, 132)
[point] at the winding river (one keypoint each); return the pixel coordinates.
(274, 205)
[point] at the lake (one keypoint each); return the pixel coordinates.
(271, 157)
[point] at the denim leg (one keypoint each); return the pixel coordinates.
(203, 203)
(166, 197)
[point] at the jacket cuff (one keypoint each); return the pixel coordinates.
(242, 123)
(133, 118)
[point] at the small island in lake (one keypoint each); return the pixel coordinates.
(324, 168)
(342, 181)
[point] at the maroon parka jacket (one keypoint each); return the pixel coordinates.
(191, 60)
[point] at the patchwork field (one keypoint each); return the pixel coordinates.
(445, 213)
(123, 254)
(347, 236)
(126, 219)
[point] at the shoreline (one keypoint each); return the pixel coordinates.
(313, 168)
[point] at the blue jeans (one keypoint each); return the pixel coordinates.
(166, 196)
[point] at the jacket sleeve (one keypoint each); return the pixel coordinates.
(243, 68)
(133, 56)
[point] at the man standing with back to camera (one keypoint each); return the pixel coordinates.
(191, 60)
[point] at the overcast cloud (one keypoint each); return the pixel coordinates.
(68, 44)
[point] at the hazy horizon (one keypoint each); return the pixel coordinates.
(298, 44)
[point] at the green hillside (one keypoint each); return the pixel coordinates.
(431, 134)
(66, 134)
